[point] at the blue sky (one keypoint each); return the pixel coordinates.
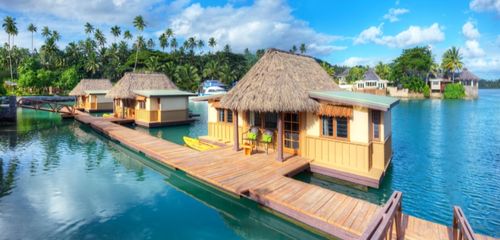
(340, 32)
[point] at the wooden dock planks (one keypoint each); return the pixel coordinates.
(264, 180)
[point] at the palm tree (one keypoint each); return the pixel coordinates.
(32, 28)
(187, 77)
(294, 49)
(452, 61)
(139, 24)
(116, 31)
(227, 75)
(303, 48)
(328, 69)
(212, 43)
(227, 48)
(211, 70)
(153, 64)
(127, 35)
(92, 65)
(169, 69)
(169, 33)
(99, 37)
(46, 32)
(9, 25)
(163, 41)
(174, 44)
(191, 44)
(56, 36)
(89, 29)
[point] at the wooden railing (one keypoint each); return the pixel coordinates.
(46, 106)
(461, 228)
(390, 216)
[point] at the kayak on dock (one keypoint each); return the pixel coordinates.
(196, 144)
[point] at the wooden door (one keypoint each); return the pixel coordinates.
(291, 133)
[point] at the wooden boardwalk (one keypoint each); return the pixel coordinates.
(266, 181)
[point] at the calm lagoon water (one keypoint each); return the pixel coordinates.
(59, 179)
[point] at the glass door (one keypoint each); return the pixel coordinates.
(291, 130)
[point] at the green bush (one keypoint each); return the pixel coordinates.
(454, 91)
(427, 91)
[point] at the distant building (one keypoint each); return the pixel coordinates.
(470, 83)
(371, 83)
(437, 82)
(342, 77)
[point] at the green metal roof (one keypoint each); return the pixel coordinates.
(96, 92)
(358, 99)
(163, 93)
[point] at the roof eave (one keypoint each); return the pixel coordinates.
(381, 107)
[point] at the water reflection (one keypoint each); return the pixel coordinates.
(62, 180)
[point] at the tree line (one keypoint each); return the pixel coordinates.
(187, 62)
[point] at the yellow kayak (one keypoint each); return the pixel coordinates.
(107, 115)
(196, 144)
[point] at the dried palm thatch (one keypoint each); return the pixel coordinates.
(467, 75)
(330, 110)
(279, 82)
(90, 84)
(139, 81)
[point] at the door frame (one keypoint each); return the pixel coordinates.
(291, 150)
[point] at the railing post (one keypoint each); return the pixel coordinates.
(381, 224)
(461, 227)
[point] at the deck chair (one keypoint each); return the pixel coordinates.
(251, 136)
(267, 138)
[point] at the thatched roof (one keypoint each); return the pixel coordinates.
(140, 81)
(279, 82)
(90, 84)
(467, 75)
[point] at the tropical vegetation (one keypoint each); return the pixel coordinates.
(454, 91)
(51, 69)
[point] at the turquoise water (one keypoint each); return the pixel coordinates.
(60, 179)
(446, 153)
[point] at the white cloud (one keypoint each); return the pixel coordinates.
(355, 61)
(470, 31)
(263, 24)
(393, 14)
(487, 67)
(472, 49)
(369, 34)
(412, 36)
(485, 5)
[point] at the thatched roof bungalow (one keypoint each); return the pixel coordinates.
(291, 97)
(150, 99)
(90, 94)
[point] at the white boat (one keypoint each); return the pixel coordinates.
(213, 91)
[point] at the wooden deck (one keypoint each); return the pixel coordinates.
(266, 181)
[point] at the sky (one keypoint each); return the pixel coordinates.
(344, 32)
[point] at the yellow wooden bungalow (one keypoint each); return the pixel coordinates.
(150, 99)
(289, 101)
(90, 94)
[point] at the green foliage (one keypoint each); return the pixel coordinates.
(452, 60)
(414, 84)
(454, 91)
(355, 74)
(412, 63)
(427, 91)
(187, 78)
(68, 79)
(2, 88)
(383, 70)
(328, 68)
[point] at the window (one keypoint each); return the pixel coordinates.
(224, 115)
(142, 105)
(264, 120)
(221, 115)
(341, 127)
(376, 124)
(271, 120)
(229, 116)
(335, 127)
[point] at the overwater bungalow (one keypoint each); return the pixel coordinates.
(150, 99)
(90, 94)
(289, 104)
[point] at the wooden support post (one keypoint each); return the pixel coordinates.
(236, 142)
(279, 152)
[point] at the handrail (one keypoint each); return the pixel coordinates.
(461, 227)
(53, 106)
(381, 227)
